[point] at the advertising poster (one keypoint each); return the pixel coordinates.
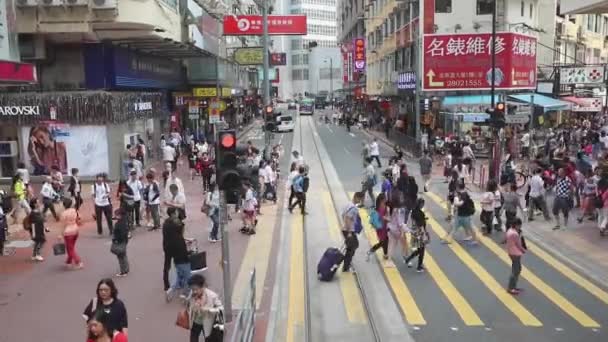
(51, 144)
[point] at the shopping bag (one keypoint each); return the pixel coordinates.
(198, 261)
(59, 248)
(183, 320)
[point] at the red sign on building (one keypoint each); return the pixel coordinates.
(464, 61)
(359, 58)
(14, 72)
(278, 58)
(252, 25)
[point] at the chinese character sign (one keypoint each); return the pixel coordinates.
(464, 61)
(406, 81)
(252, 25)
(359, 57)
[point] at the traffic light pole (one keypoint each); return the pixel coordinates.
(225, 258)
(495, 151)
(265, 47)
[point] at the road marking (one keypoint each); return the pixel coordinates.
(501, 294)
(555, 297)
(257, 255)
(352, 134)
(566, 271)
(350, 291)
(295, 315)
(460, 304)
(402, 294)
(331, 130)
(346, 150)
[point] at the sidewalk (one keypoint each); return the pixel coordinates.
(580, 245)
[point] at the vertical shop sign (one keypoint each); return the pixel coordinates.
(359, 54)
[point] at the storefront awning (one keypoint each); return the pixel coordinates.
(548, 103)
(468, 100)
(162, 47)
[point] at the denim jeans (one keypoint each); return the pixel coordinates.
(215, 221)
(155, 212)
(183, 275)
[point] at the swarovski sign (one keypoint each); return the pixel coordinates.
(19, 110)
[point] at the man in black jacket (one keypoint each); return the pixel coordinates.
(174, 247)
(120, 239)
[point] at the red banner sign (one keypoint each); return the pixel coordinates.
(359, 58)
(252, 25)
(13, 72)
(278, 58)
(463, 61)
(345, 67)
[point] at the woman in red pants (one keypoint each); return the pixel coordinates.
(69, 221)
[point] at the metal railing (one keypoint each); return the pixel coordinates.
(244, 327)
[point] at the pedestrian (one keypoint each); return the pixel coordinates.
(176, 199)
(103, 205)
(71, 228)
(178, 250)
(537, 196)
(426, 168)
(206, 167)
(365, 155)
(387, 185)
(420, 236)
(120, 239)
(511, 202)
(173, 179)
(137, 188)
(465, 209)
(35, 224)
(452, 190)
(563, 198)
(49, 196)
(293, 173)
(299, 188)
(297, 158)
(516, 250)
(396, 227)
(19, 190)
(249, 210)
(378, 219)
(140, 151)
(203, 307)
(151, 197)
(589, 194)
(99, 331)
(213, 202)
(127, 203)
(126, 156)
(374, 151)
(369, 180)
(3, 226)
(447, 166)
(498, 201)
(106, 301)
(351, 225)
(57, 182)
(487, 207)
(169, 156)
(468, 159)
(75, 189)
(269, 178)
(171, 227)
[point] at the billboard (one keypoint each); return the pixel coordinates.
(252, 25)
(582, 75)
(463, 61)
(249, 56)
(359, 57)
(278, 59)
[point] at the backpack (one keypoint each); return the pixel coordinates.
(358, 228)
(375, 220)
(305, 183)
(468, 207)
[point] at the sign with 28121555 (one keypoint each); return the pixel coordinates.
(464, 61)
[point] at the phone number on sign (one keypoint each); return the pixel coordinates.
(464, 83)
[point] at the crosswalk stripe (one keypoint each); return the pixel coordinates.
(295, 315)
(551, 294)
(567, 272)
(402, 294)
(350, 292)
(525, 316)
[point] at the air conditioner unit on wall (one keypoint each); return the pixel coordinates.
(74, 3)
(103, 4)
(50, 3)
(26, 3)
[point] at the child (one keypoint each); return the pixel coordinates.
(420, 236)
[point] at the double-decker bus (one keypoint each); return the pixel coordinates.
(307, 107)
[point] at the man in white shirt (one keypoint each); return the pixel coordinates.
(135, 184)
(269, 182)
(525, 145)
(49, 195)
(369, 181)
(374, 151)
(537, 196)
(173, 179)
(101, 195)
(249, 209)
(176, 199)
(298, 159)
(169, 155)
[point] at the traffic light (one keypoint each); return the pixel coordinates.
(227, 173)
(497, 115)
(270, 119)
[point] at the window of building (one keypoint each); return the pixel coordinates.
(305, 75)
(590, 22)
(484, 6)
(522, 8)
(598, 23)
(531, 10)
(296, 44)
(295, 59)
(296, 74)
(443, 6)
(305, 59)
(605, 26)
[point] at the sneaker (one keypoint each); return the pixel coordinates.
(39, 258)
(79, 266)
(445, 242)
(420, 270)
(210, 239)
(513, 292)
(34, 258)
(473, 243)
(169, 295)
(425, 189)
(519, 289)
(121, 274)
(410, 265)
(556, 227)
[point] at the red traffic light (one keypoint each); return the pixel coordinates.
(228, 140)
(268, 109)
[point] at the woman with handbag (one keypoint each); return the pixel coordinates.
(204, 312)
(120, 238)
(69, 221)
(420, 236)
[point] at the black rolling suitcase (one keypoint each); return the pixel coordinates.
(329, 263)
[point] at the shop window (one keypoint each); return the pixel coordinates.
(484, 7)
(443, 6)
